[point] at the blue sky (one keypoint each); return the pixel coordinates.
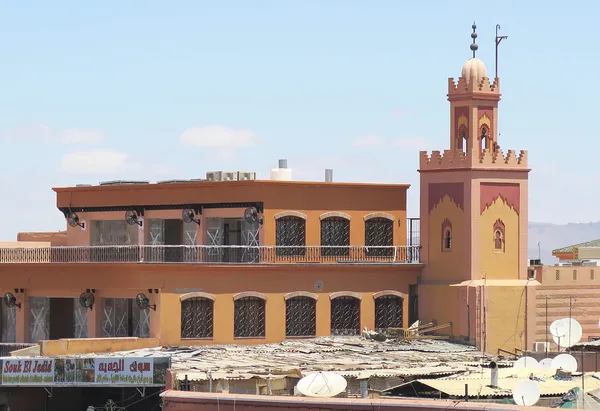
(93, 92)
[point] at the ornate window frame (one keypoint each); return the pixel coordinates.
(446, 235)
(499, 236)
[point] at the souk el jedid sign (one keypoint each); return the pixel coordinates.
(136, 371)
(28, 372)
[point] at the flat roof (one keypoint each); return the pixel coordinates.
(236, 183)
(569, 249)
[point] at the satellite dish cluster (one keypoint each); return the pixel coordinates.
(565, 332)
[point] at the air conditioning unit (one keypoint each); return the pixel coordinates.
(541, 346)
(246, 175)
(214, 175)
(229, 176)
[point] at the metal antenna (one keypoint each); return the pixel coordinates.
(498, 40)
(474, 46)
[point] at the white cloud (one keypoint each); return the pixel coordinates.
(412, 143)
(215, 136)
(45, 133)
(99, 162)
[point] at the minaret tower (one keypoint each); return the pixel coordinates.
(474, 221)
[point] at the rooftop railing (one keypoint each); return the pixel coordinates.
(208, 254)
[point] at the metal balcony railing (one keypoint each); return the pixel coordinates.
(207, 254)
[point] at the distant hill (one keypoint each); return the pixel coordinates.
(553, 236)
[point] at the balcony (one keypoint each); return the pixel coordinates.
(207, 254)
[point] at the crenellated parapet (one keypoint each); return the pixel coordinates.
(458, 159)
(462, 86)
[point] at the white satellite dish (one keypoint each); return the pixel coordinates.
(557, 329)
(546, 363)
(322, 384)
(526, 393)
(565, 362)
(566, 332)
(526, 362)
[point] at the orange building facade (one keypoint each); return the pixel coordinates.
(203, 262)
(253, 262)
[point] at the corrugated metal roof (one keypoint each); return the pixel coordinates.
(355, 357)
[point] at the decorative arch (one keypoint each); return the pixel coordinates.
(197, 294)
(446, 235)
(485, 132)
(379, 215)
(338, 294)
(300, 294)
(462, 121)
(484, 120)
(393, 293)
(290, 213)
(335, 214)
(499, 235)
(247, 294)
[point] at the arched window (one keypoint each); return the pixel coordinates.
(290, 235)
(446, 235)
(388, 312)
(499, 236)
(335, 236)
(462, 137)
(249, 318)
(379, 232)
(484, 137)
(197, 318)
(345, 316)
(301, 317)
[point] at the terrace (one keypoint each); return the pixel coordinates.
(212, 254)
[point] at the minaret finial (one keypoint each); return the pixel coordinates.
(474, 46)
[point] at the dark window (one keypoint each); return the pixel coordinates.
(335, 236)
(123, 318)
(197, 318)
(249, 318)
(379, 232)
(345, 316)
(448, 240)
(388, 312)
(290, 234)
(300, 317)
(499, 235)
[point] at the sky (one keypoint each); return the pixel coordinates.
(155, 90)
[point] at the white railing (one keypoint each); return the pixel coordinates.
(207, 254)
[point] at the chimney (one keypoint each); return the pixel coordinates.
(329, 175)
(283, 163)
(494, 368)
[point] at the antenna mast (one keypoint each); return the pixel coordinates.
(498, 40)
